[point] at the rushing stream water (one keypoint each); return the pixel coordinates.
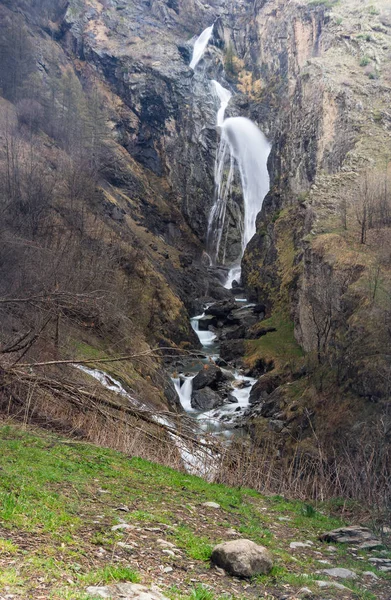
(222, 419)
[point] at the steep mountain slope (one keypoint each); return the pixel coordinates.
(107, 180)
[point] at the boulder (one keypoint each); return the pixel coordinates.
(231, 399)
(242, 558)
(205, 399)
(259, 309)
(209, 376)
(206, 322)
(237, 332)
(354, 534)
(221, 309)
(125, 591)
(264, 386)
(232, 349)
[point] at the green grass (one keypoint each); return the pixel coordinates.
(279, 346)
(197, 547)
(52, 493)
(110, 574)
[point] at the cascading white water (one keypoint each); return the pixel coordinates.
(184, 389)
(251, 150)
(200, 46)
(244, 144)
(206, 337)
(224, 96)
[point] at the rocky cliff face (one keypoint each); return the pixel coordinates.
(325, 82)
(312, 75)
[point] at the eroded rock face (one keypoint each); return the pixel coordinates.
(242, 558)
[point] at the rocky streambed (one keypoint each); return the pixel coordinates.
(212, 384)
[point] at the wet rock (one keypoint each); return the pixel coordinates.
(242, 558)
(205, 399)
(125, 591)
(206, 322)
(231, 399)
(244, 316)
(221, 363)
(351, 535)
(221, 310)
(209, 376)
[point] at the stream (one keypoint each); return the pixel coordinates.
(224, 420)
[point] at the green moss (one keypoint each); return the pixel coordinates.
(279, 346)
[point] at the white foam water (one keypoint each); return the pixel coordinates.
(200, 46)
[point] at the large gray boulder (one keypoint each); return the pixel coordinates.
(242, 558)
(205, 399)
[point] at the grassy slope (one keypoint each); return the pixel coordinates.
(59, 500)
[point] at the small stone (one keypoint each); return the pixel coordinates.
(211, 504)
(295, 545)
(168, 552)
(370, 574)
(306, 591)
(325, 584)
(125, 546)
(232, 532)
(126, 591)
(122, 526)
(123, 508)
(167, 569)
(324, 562)
(340, 573)
(166, 544)
(242, 558)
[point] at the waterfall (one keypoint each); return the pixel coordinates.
(200, 46)
(206, 337)
(224, 96)
(184, 390)
(250, 149)
(243, 144)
